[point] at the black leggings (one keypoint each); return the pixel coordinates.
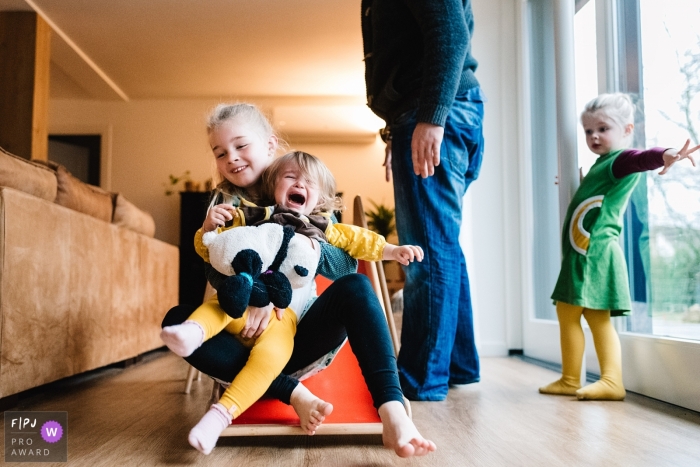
(349, 308)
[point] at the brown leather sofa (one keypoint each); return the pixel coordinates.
(83, 283)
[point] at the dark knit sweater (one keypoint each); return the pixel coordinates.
(417, 55)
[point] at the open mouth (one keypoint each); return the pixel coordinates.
(297, 198)
(238, 169)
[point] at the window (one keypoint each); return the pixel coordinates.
(650, 50)
(666, 269)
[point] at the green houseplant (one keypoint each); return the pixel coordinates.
(173, 181)
(381, 219)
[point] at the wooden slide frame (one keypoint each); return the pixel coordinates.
(358, 419)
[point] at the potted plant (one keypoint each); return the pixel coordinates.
(170, 187)
(381, 219)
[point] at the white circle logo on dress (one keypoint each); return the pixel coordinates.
(578, 236)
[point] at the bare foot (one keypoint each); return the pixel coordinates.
(311, 410)
(400, 434)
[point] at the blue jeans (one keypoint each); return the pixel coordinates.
(437, 336)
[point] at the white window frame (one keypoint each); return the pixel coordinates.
(663, 368)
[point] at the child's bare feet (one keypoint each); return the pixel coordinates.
(311, 410)
(183, 339)
(204, 435)
(400, 434)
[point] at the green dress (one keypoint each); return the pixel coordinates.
(593, 269)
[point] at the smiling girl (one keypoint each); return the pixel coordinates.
(244, 146)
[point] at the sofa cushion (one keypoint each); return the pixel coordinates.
(79, 196)
(127, 215)
(27, 176)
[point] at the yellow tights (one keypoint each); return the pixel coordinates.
(269, 352)
(607, 346)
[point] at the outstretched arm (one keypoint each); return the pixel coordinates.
(671, 156)
(404, 254)
(638, 160)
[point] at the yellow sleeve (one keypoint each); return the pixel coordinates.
(199, 246)
(202, 250)
(357, 242)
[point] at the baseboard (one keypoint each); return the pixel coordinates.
(13, 400)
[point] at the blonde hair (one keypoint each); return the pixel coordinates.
(250, 114)
(223, 113)
(616, 106)
(314, 170)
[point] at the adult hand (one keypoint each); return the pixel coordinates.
(258, 319)
(671, 156)
(387, 160)
(425, 148)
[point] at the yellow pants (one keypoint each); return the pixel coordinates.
(269, 352)
(607, 346)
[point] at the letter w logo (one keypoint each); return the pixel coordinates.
(52, 432)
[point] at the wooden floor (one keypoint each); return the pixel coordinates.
(140, 416)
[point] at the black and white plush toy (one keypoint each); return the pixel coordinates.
(264, 263)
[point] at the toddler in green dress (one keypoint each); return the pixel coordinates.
(593, 279)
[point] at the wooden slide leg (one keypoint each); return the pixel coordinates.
(378, 279)
(190, 377)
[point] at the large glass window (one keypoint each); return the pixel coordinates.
(650, 50)
(669, 257)
(586, 62)
(546, 249)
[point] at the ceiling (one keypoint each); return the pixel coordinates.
(180, 49)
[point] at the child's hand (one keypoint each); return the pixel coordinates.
(257, 321)
(671, 156)
(218, 216)
(404, 254)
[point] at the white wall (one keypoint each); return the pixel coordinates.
(152, 139)
(492, 225)
(358, 170)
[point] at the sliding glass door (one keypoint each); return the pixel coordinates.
(650, 50)
(661, 338)
(548, 176)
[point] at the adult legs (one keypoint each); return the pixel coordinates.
(464, 363)
(437, 339)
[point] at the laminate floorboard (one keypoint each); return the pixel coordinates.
(139, 416)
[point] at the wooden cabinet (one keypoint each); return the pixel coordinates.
(193, 209)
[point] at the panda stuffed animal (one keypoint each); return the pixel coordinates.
(263, 264)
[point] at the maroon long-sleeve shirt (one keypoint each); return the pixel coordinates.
(637, 160)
